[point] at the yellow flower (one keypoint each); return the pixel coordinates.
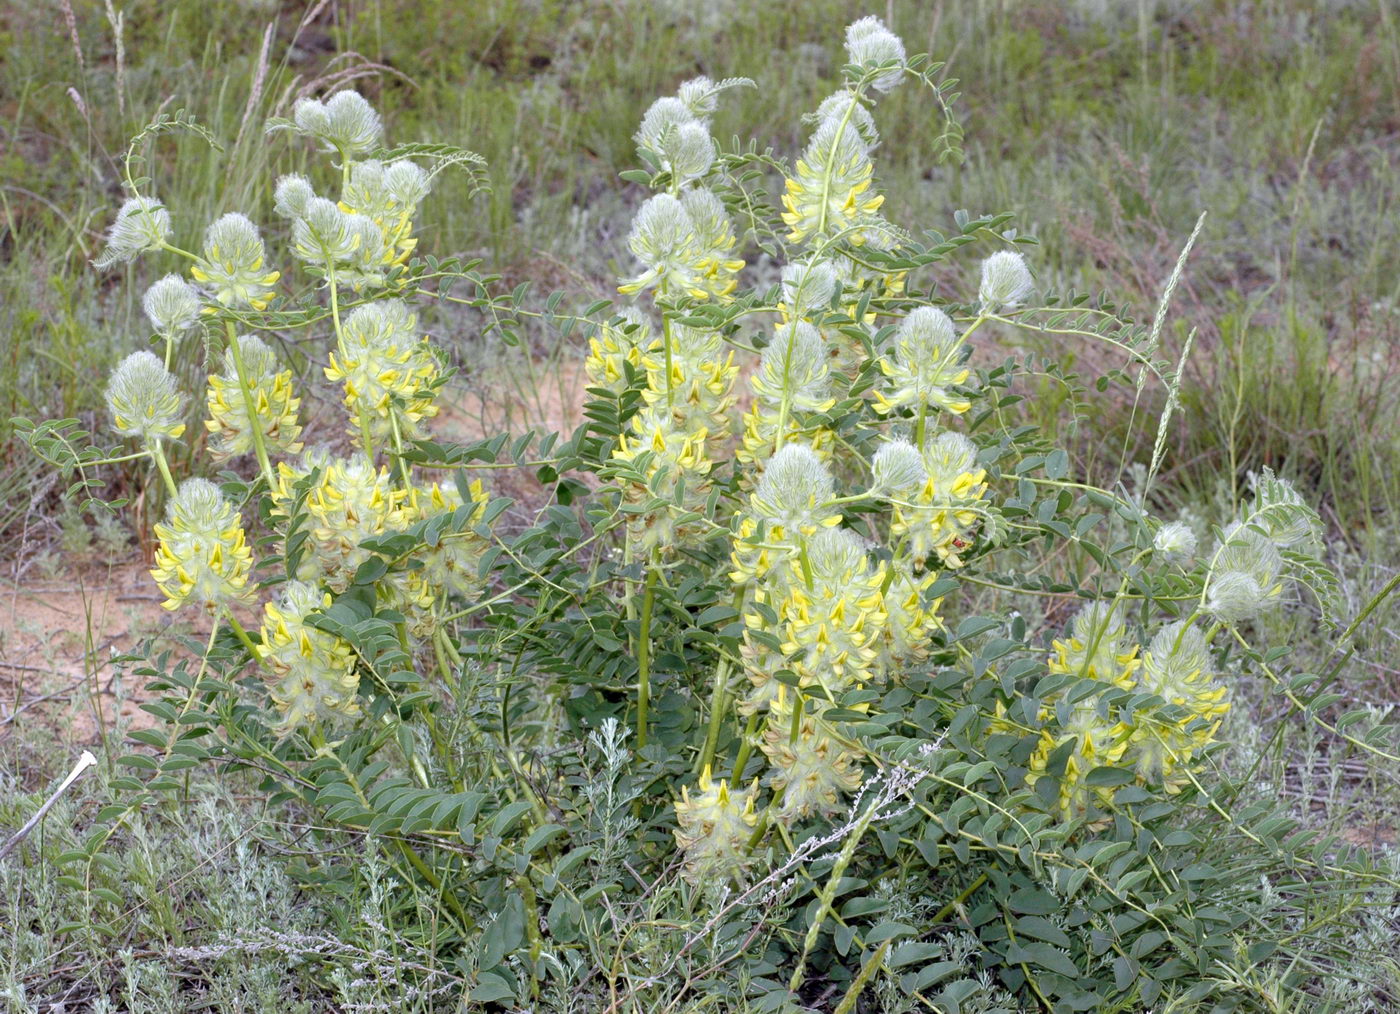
(143, 400)
(274, 401)
(938, 517)
(452, 564)
(203, 555)
(667, 460)
(829, 193)
(1097, 647)
(926, 365)
(233, 265)
(792, 383)
(910, 620)
(714, 826)
(389, 196)
(615, 347)
(348, 503)
(1096, 742)
(387, 368)
(812, 774)
(699, 390)
(833, 614)
(792, 501)
(315, 669)
(1175, 668)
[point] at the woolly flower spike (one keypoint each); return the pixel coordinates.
(812, 774)
(834, 614)
(680, 142)
(1245, 578)
(898, 468)
(1006, 282)
(699, 390)
(1097, 647)
(829, 192)
(324, 236)
(616, 346)
(714, 236)
(292, 196)
(1096, 742)
(274, 401)
(345, 123)
(793, 377)
(389, 196)
(939, 516)
(203, 555)
(667, 458)
(845, 105)
(315, 668)
(171, 306)
(663, 117)
(1174, 542)
(792, 501)
(386, 368)
(714, 826)
(663, 238)
(1175, 669)
(349, 503)
(910, 619)
(808, 289)
(927, 363)
(452, 564)
(870, 44)
(234, 264)
(144, 401)
(142, 224)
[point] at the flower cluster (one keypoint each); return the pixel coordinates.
(314, 669)
(937, 508)
(274, 402)
(390, 373)
(203, 555)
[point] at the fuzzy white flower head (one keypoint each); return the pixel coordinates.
(203, 554)
(144, 400)
(947, 457)
(808, 288)
(315, 669)
(700, 96)
(234, 264)
(926, 366)
(1175, 542)
(1245, 577)
(796, 367)
(345, 123)
(689, 152)
(663, 238)
(325, 235)
(407, 183)
(171, 305)
(664, 118)
(1176, 656)
(898, 467)
(795, 487)
(142, 224)
(292, 195)
(843, 105)
(1006, 281)
(869, 43)
(1097, 646)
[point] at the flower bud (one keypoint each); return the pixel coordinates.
(1175, 542)
(869, 43)
(345, 123)
(144, 400)
(898, 467)
(171, 305)
(292, 195)
(315, 668)
(1006, 281)
(142, 224)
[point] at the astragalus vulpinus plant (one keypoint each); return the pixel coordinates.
(811, 678)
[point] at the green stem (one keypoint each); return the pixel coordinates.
(718, 704)
(745, 749)
(250, 405)
(366, 437)
(644, 656)
(159, 454)
(243, 637)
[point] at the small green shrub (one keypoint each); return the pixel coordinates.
(711, 719)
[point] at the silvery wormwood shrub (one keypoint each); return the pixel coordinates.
(738, 706)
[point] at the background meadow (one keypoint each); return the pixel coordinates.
(1106, 128)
